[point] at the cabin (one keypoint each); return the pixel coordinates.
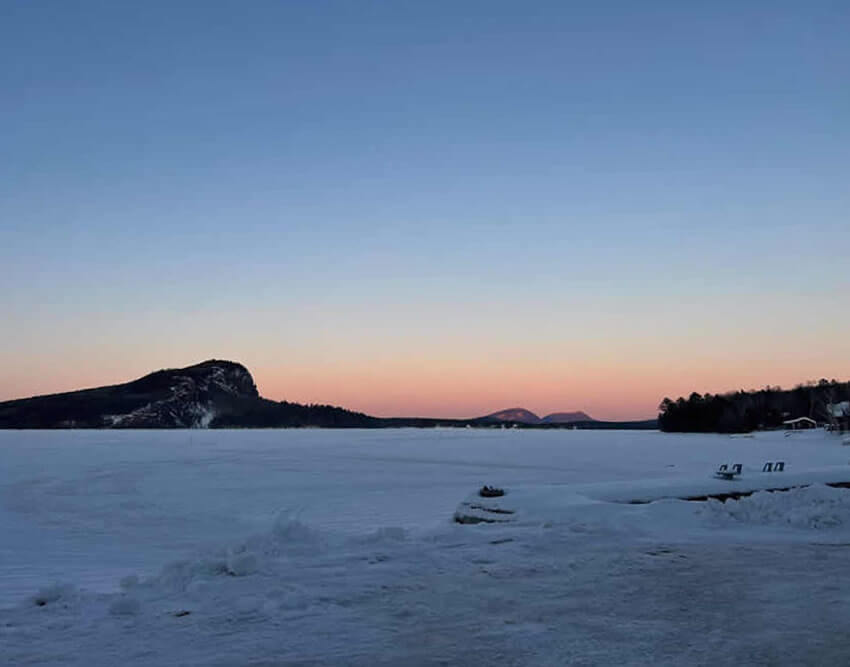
(799, 423)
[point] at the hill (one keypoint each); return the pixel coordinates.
(523, 416)
(212, 394)
(567, 417)
(222, 394)
(514, 415)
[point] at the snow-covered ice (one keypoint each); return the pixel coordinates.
(314, 547)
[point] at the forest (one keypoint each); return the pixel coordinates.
(745, 411)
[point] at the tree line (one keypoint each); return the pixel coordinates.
(744, 411)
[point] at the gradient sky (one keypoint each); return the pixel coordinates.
(431, 208)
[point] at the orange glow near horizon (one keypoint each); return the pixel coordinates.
(607, 393)
(612, 364)
(464, 388)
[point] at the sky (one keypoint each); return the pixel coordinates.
(430, 208)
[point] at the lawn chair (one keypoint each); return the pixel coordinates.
(725, 472)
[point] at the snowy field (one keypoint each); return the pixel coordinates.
(319, 547)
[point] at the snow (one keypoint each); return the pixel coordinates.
(818, 507)
(199, 415)
(549, 501)
(183, 407)
(337, 547)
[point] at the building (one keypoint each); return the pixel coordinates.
(800, 423)
(839, 416)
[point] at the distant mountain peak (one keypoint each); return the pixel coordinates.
(514, 415)
(523, 416)
(567, 417)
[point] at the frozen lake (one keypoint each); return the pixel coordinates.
(92, 506)
(85, 509)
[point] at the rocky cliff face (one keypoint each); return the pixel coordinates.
(196, 396)
(189, 397)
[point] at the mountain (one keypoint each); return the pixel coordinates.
(523, 416)
(567, 417)
(213, 394)
(517, 415)
(222, 394)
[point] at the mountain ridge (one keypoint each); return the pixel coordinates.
(568, 417)
(214, 393)
(524, 416)
(222, 394)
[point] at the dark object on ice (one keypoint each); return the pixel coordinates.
(465, 519)
(490, 492)
(779, 466)
(182, 612)
(491, 510)
(724, 472)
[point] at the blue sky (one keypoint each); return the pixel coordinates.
(377, 191)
